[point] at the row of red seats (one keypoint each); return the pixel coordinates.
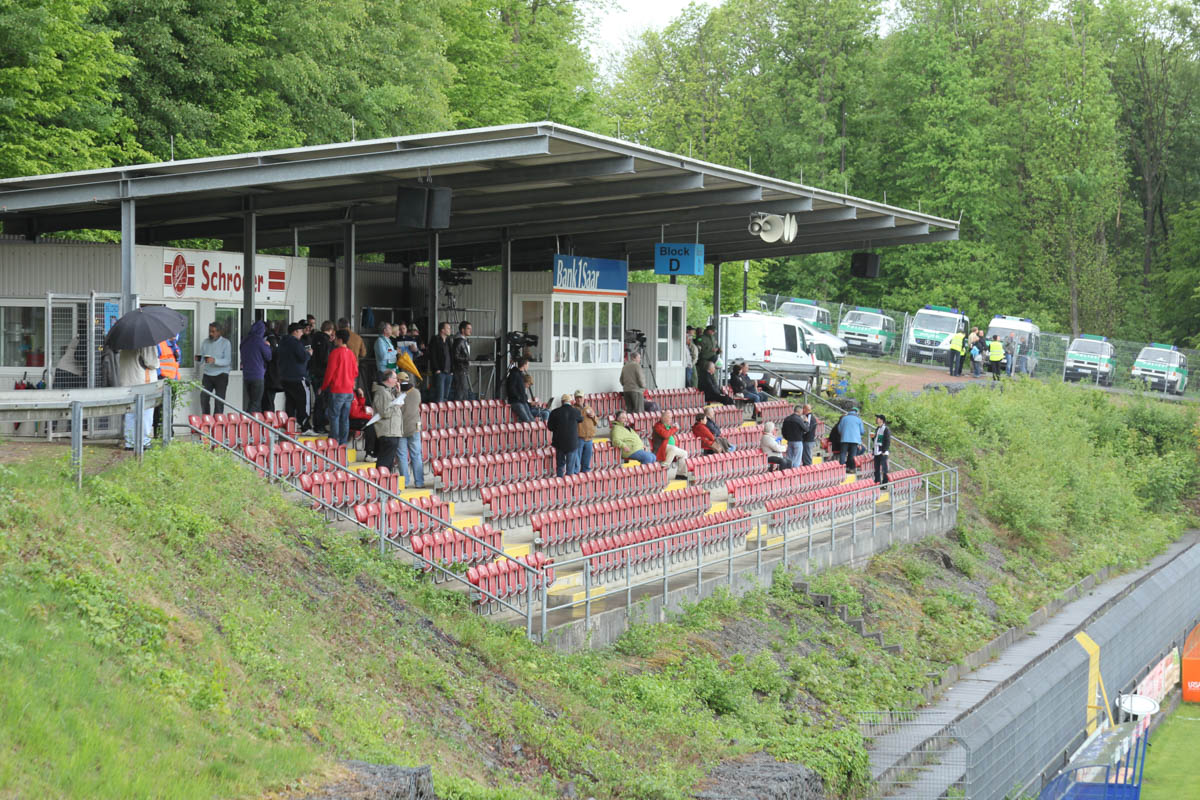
(681, 540)
(822, 504)
(758, 489)
(457, 413)
(297, 459)
(476, 472)
(676, 399)
(544, 494)
(239, 430)
(903, 485)
(722, 467)
(556, 529)
(505, 579)
(605, 404)
(452, 547)
(773, 411)
(344, 488)
(478, 440)
(398, 519)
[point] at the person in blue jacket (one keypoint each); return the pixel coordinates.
(850, 432)
(256, 352)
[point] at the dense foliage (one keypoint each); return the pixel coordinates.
(1064, 134)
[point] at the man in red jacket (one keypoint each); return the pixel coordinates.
(340, 374)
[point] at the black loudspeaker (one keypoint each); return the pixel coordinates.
(864, 265)
(423, 207)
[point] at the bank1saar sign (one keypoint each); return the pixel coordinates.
(678, 259)
(194, 274)
(582, 275)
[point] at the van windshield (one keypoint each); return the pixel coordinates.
(1157, 355)
(935, 322)
(799, 311)
(996, 330)
(1089, 346)
(863, 318)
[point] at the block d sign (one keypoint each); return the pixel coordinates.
(678, 259)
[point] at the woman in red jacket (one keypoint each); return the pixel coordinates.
(702, 432)
(664, 443)
(360, 415)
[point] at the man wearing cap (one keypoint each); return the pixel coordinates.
(587, 432)
(293, 359)
(408, 451)
(633, 384)
(881, 443)
(564, 425)
(850, 431)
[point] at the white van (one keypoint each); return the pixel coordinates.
(771, 342)
(1027, 335)
(809, 311)
(929, 333)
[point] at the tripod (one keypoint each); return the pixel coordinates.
(639, 348)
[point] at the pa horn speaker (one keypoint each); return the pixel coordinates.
(772, 228)
(790, 228)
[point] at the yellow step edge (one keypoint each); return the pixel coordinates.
(850, 479)
(413, 494)
(630, 464)
(564, 582)
(749, 424)
(465, 522)
(676, 485)
(818, 460)
(518, 550)
(577, 595)
(718, 507)
(883, 497)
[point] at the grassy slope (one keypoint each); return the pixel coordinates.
(1171, 760)
(183, 626)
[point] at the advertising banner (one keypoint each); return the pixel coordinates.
(1191, 667)
(583, 275)
(200, 275)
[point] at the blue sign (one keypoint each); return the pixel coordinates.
(111, 312)
(678, 259)
(582, 275)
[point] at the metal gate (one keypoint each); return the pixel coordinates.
(75, 329)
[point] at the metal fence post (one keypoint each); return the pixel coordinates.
(271, 455)
(77, 442)
(139, 426)
(168, 413)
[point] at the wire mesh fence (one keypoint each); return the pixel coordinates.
(917, 755)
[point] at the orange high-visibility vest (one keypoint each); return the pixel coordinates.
(168, 365)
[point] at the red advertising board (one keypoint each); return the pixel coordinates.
(1191, 667)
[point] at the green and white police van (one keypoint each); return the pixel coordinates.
(868, 330)
(929, 333)
(1162, 367)
(809, 311)
(1027, 336)
(1090, 358)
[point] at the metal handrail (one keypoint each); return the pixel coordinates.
(757, 520)
(273, 434)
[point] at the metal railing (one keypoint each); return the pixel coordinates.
(939, 488)
(76, 405)
(534, 576)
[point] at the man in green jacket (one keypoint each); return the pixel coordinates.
(708, 346)
(628, 442)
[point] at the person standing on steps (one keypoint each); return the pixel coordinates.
(693, 355)
(215, 357)
(881, 445)
(136, 368)
(255, 355)
(293, 357)
(440, 366)
(850, 433)
(390, 427)
(385, 351)
(811, 426)
(708, 347)
(409, 444)
(587, 432)
(633, 384)
(793, 431)
(460, 360)
(340, 376)
(995, 356)
(564, 427)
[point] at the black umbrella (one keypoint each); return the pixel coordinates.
(144, 327)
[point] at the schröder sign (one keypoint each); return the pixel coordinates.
(678, 259)
(218, 276)
(583, 275)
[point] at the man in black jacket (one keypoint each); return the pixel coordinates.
(881, 443)
(460, 362)
(564, 425)
(440, 369)
(793, 430)
(292, 358)
(708, 385)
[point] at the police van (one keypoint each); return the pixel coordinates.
(930, 331)
(1163, 367)
(1026, 334)
(1090, 358)
(809, 311)
(868, 330)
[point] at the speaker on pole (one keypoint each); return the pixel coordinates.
(864, 265)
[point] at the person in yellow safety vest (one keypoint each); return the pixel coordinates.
(168, 359)
(956, 352)
(995, 356)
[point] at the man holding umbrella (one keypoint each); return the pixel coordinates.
(135, 337)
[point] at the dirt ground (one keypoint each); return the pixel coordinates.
(884, 374)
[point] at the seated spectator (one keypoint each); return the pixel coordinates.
(517, 394)
(708, 385)
(710, 422)
(360, 413)
(536, 407)
(743, 385)
(626, 440)
(708, 442)
(774, 448)
(666, 434)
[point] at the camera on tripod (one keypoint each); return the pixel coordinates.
(634, 336)
(454, 277)
(517, 341)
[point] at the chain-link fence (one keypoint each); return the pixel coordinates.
(916, 755)
(885, 333)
